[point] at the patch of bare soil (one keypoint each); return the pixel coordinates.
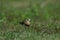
(20, 4)
(46, 2)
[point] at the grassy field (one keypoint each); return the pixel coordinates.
(44, 15)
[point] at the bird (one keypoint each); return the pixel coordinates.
(26, 22)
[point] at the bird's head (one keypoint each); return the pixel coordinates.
(28, 19)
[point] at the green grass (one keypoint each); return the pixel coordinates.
(44, 15)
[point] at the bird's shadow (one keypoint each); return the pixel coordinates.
(22, 23)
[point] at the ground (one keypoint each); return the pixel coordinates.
(44, 15)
